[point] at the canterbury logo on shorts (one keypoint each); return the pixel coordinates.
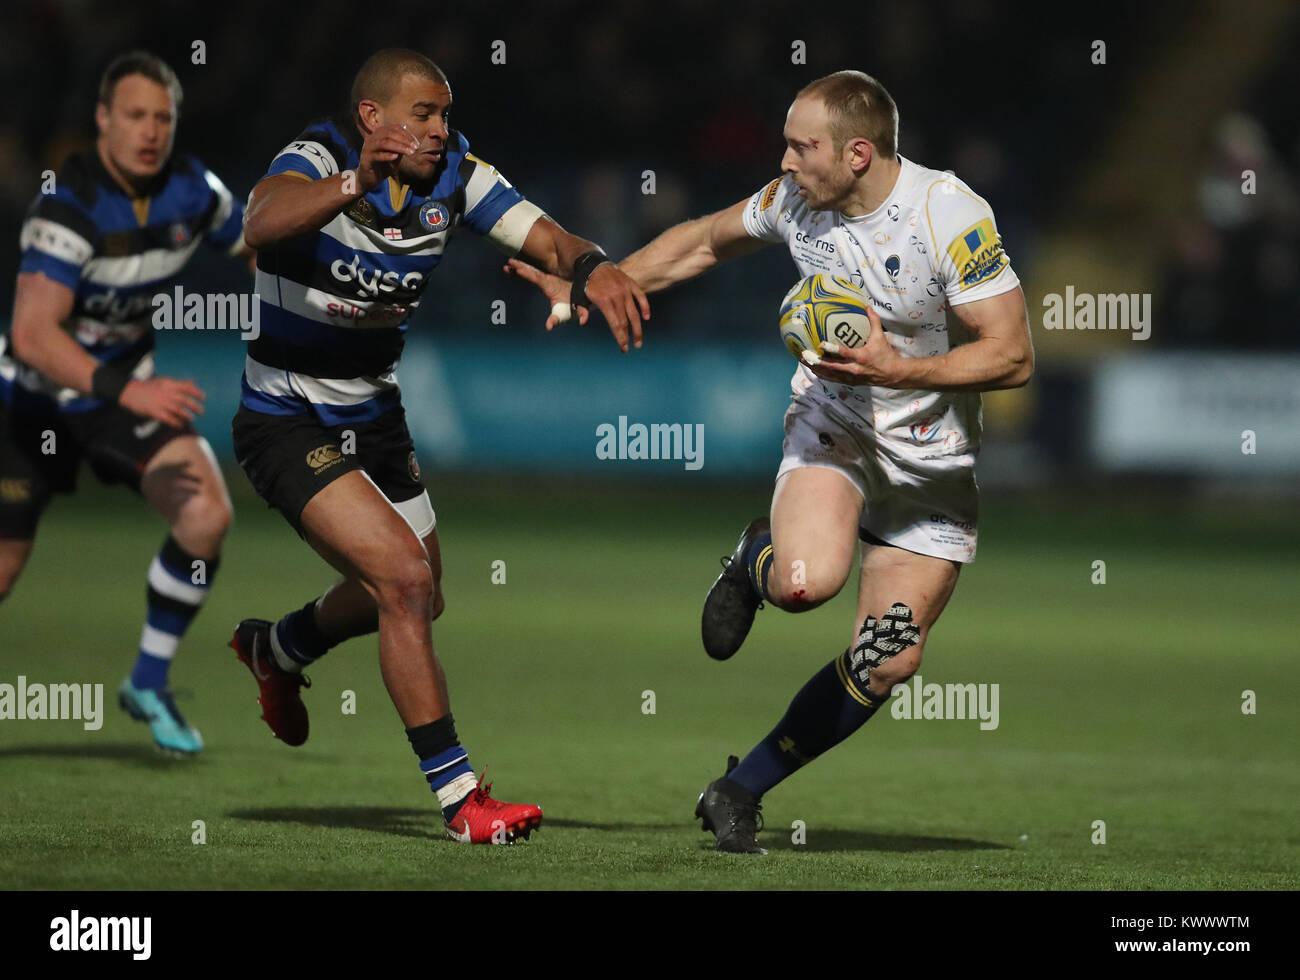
(323, 457)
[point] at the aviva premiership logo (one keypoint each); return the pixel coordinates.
(434, 217)
(977, 253)
(323, 457)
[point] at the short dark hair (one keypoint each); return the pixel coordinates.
(858, 105)
(379, 77)
(139, 63)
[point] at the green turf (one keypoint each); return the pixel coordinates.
(1118, 702)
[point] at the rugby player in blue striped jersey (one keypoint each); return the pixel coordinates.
(76, 367)
(349, 223)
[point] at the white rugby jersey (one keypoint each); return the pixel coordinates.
(932, 244)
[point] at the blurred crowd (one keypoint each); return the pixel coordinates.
(591, 96)
(1233, 280)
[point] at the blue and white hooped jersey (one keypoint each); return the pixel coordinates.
(335, 303)
(115, 253)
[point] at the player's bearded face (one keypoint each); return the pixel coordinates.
(422, 106)
(138, 127)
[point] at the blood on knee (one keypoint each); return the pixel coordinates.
(802, 596)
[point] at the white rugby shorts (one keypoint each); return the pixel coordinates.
(928, 510)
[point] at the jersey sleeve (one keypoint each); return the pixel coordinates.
(57, 239)
(493, 207)
(307, 157)
(226, 230)
(968, 249)
(763, 211)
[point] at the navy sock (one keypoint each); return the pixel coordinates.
(178, 584)
(758, 562)
(301, 639)
(444, 762)
(833, 705)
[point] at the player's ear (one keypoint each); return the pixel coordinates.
(368, 112)
(861, 153)
(101, 116)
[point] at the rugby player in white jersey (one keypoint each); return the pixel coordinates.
(881, 439)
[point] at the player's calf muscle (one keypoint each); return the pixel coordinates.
(897, 669)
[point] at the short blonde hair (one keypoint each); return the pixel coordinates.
(858, 105)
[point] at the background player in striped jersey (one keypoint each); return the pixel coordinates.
(880, 440)
(349, 222)
(76, 370)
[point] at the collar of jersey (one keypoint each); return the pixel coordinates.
(102, 176)
(906, 173)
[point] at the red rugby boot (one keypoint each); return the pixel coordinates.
(483, 820)
(282, 706)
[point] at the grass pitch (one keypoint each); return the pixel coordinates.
(1119, 702)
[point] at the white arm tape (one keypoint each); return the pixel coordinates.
(512, 228)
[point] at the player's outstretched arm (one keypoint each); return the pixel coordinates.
(285, 205)
(623, 303)
(691, 248)
(40, 306)
(680, 253)
(1000, 356)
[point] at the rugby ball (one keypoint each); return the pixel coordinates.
(821, 308)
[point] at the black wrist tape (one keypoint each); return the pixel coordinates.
(583, 267)
(108, 381)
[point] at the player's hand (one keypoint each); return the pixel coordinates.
(621, 300)
(380, 153)
(874, 363)
(556, 290)
(169, 401)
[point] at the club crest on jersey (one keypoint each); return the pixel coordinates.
(179, 234)
(892, 265)
(434, 216)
